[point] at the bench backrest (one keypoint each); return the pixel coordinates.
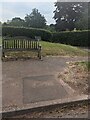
(20, 44)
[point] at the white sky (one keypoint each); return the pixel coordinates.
(45, 0)
(19, 8)
(9, 10)
(28, 0)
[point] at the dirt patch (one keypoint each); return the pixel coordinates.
(76, 75)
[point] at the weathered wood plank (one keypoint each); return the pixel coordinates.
(21, 45)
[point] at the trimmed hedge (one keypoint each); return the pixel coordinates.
(78, 38)
(28, 32)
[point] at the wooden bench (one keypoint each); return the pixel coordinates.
(9, 44)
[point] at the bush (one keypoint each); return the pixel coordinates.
(78, 38)
(74, 38)
(28, 32)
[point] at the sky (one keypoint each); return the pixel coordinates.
(19, 8)
(9, 10)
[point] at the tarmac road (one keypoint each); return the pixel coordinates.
(30, 81)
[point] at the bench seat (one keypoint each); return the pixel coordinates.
(9, 44)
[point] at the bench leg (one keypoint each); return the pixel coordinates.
(39, 54)
(3, 54)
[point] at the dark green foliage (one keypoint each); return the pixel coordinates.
(51, 28)
(28, 32)
(79, 38)
(82, 23)
(16, 22)
(68, 13)
(35, 19)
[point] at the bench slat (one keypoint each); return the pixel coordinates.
(21, 45)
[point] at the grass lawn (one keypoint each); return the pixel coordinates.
(85, 65)
(53, 49)
(61, 49)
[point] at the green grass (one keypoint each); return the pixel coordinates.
(85, 64)
(55, 49)
(61, 49)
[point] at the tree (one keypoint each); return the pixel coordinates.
(4, 24)
(16, 22)
(67, 13)
(51, 27)
(89, 15)
(82, 23)
(35, 19)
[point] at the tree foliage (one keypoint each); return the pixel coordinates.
(35, 19)
(51, 27)
(17, 21)
(67, 14)
(82, 23)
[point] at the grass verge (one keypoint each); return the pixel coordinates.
(61, 49)
(76, 75)
(53, 49)
(85, 65)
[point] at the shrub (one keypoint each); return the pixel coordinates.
(78, 38)
(28, 32)
(74, 38)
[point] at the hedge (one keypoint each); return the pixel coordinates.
(75, 38)
(78, 38)
(28, 32)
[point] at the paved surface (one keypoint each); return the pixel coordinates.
(31, 81)
(77, 109)
(41, 88)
